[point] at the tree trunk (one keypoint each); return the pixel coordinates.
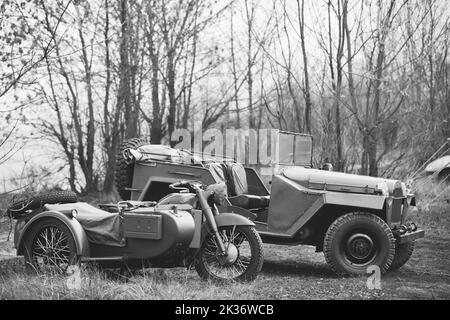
(307, 91)
(171, 93)
(250, 15)
(124, 97)
(234, 71)
(374, 129)
(87, 166)
(110, 131)
(156, 122)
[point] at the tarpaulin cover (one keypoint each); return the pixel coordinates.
(101, 227)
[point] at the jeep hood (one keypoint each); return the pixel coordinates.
(341, 182)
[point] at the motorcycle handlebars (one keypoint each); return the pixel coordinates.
(178, 184)
(190, 185)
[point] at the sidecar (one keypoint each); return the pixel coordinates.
(135, 234)
(110, 238)
(357, 221)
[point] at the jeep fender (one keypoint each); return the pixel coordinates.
(78, 233)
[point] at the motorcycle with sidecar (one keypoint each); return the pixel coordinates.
(184, 229)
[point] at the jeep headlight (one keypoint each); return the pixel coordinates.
(382, 188)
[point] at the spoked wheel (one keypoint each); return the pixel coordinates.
(243, 259)
(49, 246)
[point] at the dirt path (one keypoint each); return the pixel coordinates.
(299, 272)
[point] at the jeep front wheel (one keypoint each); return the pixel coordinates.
(356, 241)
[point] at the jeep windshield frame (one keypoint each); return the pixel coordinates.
(294, 149)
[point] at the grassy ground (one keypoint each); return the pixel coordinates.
(288, 272)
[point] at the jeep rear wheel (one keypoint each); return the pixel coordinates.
(356, 241)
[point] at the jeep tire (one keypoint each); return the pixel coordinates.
(124, 171)
(357, 240)
(403, 252)
(33, 202)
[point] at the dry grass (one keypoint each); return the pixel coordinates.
(288, 272)
(433, 206)
(149, 284)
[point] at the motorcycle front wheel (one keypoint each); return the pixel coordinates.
(243, 258)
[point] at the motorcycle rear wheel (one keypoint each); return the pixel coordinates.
(244, 257)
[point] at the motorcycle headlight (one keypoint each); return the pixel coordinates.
(382, 188)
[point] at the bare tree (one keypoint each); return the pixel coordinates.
(307, 89)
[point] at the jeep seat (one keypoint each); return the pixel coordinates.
(248, 201)
(237, 182)
(217, 170)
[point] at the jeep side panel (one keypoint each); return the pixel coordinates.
(291, 205)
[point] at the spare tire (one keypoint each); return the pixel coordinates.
(33, 202)
(124, 171)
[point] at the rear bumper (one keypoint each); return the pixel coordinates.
(410, 236)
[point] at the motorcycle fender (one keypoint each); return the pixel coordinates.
(232, 219)
(226, 219)
(78, 233)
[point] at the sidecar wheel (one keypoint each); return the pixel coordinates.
(243, 261)
(49, 246)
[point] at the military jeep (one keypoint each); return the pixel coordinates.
(357, 221)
